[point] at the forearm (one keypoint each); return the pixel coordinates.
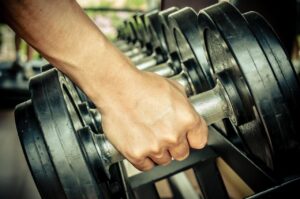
(68, 39)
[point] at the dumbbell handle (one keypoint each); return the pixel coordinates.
(212, 105)
(132, 51)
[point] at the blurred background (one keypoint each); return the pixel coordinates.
(16, 56)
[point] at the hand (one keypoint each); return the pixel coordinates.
(146, 117)
(151, 120)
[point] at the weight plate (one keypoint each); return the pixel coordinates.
(284, 74)
(83, 106)
(189, 38)
(153, 26)
(166, 31)
(137, 30)
(279, 62)
(250, 61)
(144, 34)
(87, 117)
(206, 24)
(148, 34)
(35, 150)
(58, 119)
(130, 32)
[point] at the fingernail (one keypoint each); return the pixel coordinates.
(183, 158)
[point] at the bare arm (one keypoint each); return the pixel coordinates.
(67, 38)
(147, 117)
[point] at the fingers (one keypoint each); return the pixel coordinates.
(197, 137)
(162, 159)
(144, 165)
(180, 151)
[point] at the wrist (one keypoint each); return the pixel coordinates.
(108, 78)
(112, 92)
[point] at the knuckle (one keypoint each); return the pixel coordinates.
(157, 155)
(190, 119)
(135, 155)
(193, 119)
(173, 139)
(155, 149)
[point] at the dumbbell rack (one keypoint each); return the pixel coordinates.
(52, 122)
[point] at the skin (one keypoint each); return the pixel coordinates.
(146, 117)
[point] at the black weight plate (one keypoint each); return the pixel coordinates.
(147, 35)
(222, 59)
(36, 153)
(166, 31)
(284, 73)
(144, 37)
(131, 36)
(153, 26)
(280, 63)
(73, 91)
(59, 121)
(256, 71)
(87, 117)
(189, 38)
(137, 29)
(132, 31)
(82, 105)
(77, 94)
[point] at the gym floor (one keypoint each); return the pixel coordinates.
(15, 178)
